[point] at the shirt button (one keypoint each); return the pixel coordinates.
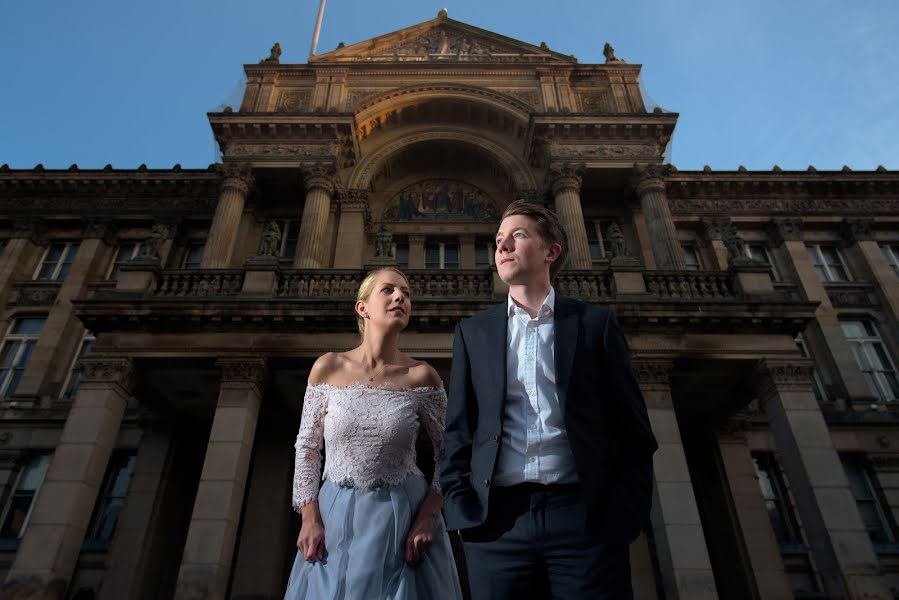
(496, 439)
(534, 426)
(486, 483)
(533, 459)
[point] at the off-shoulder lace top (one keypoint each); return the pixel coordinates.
(369, 435)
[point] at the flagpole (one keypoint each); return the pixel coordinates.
(318, 28)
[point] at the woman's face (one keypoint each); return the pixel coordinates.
(388, 306)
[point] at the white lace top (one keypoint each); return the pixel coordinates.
(369, 433)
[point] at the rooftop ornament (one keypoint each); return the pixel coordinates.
(274, 56)
(609, 52)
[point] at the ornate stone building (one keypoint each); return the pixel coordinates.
(160, 324)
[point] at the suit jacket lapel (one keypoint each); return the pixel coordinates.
(566, 326)
(496, 347)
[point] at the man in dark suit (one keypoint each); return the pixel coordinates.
(548, 469)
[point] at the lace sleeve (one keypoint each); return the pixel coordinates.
(307, 465)
(432, 412)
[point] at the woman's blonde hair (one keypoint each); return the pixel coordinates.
(365, 290)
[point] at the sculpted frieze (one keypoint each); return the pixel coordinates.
(596, 101)
(283, 150)
(440, 199)
(603, 151)
(294, 100)
(686, 206)
(354, 98)
(449, 44)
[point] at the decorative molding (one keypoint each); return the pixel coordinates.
(117, 372)
(857, 230)
(356, 98)
(34, 293)
(651, 178)
(781, 205)
(33, 229)
(781, 230)
(565, 176)
(238, 176)
(594, 100)
(276, 151)
(322, 175)
(242, 372)
(773, 376)
(653, 374)
(603, 151)
(99, 228)
(528, 96)
(294, 100)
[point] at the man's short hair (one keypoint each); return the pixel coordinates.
(548, 227)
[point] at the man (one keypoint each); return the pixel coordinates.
(548, 469)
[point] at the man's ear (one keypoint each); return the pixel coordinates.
(554, 252)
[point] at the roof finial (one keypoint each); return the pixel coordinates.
(443, 13)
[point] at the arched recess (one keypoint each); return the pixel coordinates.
(519, 173)
(376, 106)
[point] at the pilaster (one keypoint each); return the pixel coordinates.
(860, 233)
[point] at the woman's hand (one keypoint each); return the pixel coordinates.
(421, 534)
(311, 541)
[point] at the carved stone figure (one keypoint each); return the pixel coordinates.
(616, 238)
(150, 248)
(271, 240)
(609, 52)
(384, 242)
(736, 247)
(274, 56)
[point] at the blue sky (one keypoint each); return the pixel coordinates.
(757, 83)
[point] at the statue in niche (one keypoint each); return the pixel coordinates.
(617, 241)
(271, 240)
(384, 243)
(150, 248)
(274, 56)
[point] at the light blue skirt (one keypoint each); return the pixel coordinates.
(365, 540)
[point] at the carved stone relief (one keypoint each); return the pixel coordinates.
(440, 199)
(294, 100)
(596, 101)
(603, 151)
(283, 150)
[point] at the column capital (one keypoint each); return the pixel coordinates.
(94, 228)
(245, 371)
(33, 229)
(115, 372)
(529, 195)
(784, 229)
(321, 176)
(237, 176)
(652, 373)
(774, 375)
(353, 200)
(650, 177)
(416, 238)
(565, 176)
(857, 230)
(714, 227)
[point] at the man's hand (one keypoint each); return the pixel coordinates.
(311, 541)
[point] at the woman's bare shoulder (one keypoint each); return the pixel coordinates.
(326, 367)
(421, 374)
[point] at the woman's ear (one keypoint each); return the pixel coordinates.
(360, 309)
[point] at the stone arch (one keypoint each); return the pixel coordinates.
(518, 170)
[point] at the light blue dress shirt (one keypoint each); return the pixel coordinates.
(534, 442)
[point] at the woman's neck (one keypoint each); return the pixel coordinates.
(377, 349)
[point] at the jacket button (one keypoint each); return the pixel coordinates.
(496, 439)
(486, 483)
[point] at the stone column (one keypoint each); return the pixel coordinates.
(844, 555)
(416, 251)
(467, 251)
(649, 182)
(259, 568)
(566, 187)
(351, 240)
(49, 550)
(137, 529)
(761, 546)
(826, 331)
(49, 363)
(680, 543)
(859, 232)
(206, 562)
(313, 228)
(237, 180)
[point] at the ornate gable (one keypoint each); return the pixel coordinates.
(442, 39)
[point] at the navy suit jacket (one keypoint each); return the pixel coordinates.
(604, 413)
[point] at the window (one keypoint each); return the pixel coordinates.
(74, 380)
(691, 257)
(483, 253)
(442, 255)
(828, 263)
(872, 358)
(760, 253)
(401, 254)
(817, 385)
(124, 254)
(111, 498)
(290, 234)
(18, 508)
(56, 262)
(17, 348)
(193, 256)
(863, 482)
(891, 253)
(597, 238)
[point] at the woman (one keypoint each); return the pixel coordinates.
(374, 530)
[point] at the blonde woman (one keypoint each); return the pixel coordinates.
(374, 530)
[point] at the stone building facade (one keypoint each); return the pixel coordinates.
(160, 324)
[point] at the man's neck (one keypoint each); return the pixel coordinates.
(530, 297)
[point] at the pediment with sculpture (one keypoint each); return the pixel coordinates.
(437, 199)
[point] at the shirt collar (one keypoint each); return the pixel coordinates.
(547, 308)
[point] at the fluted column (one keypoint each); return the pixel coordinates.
(566, 187)
(49, 550)
(314, 226)
(649, 181)
(209, 548)
(236, 183)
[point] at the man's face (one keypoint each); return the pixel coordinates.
(522, 256)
